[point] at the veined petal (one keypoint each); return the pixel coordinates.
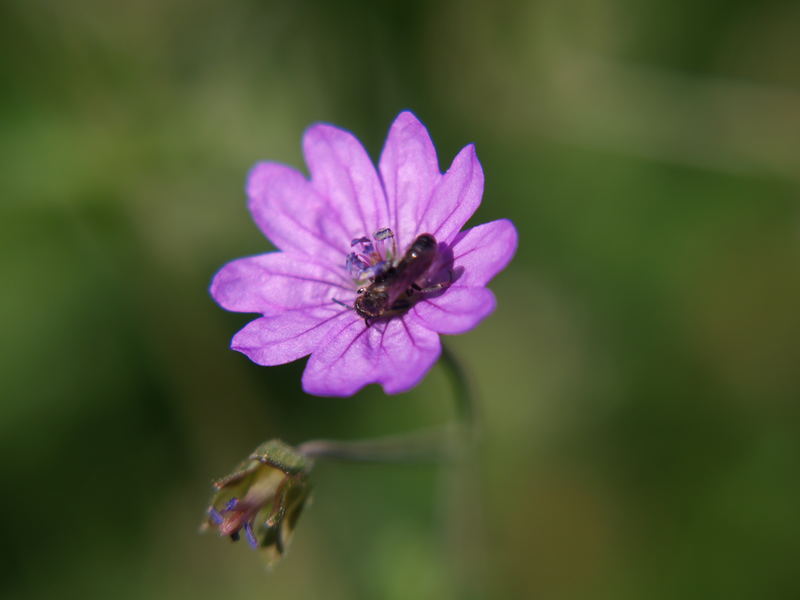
(458, 310)
(292, 215)
(319, 224)
(395, 353)
(286, 337)
(455, 198)
(342, 173)
(483, 251)
(273, 283)
(410, 172)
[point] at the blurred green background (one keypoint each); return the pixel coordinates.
(639, 382)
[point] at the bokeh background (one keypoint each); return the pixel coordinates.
(639, 382)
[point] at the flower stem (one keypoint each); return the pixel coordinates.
(462, 492)
(425, 445)
(462, 392)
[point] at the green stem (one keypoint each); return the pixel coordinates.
(462, 392)
(425, 445)
(406, 447)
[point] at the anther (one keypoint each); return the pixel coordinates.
(355, 265)
(380, 237)
(383, 234)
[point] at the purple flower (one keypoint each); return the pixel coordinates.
(346, 286)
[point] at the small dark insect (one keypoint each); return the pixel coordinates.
(391, 291)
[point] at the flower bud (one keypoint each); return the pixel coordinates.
(262, 497)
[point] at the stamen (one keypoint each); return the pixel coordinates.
(231, 504)
(368, 261)
(364, 243)
(355, 265)
(380, 237)
(251, 538)
(383, 234)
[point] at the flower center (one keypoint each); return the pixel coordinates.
(235, 515)
(389, 285)
(371, 258)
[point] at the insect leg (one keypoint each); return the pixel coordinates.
(400, 305)
(340, 303)
(436, 286)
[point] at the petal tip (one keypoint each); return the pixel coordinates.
(467, 161)
(407, 118)
(322, 131)
(223, 289)
(265, 178)
(255, 177)
(400, 386)
(248, 351)
(471, 152)
(326, 390)
(510, 231)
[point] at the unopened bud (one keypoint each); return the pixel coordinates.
(263, 497)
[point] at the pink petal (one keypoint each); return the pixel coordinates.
(457, 310)
(456, 197)
(273, 283)
(483, 251)
(396, 354)
(293, 216)
(286, 337)
(342, 173)
(410, 171)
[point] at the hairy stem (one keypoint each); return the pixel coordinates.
(425, 445)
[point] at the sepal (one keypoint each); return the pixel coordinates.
(263, 498)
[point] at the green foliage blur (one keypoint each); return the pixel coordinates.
(639, 382)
